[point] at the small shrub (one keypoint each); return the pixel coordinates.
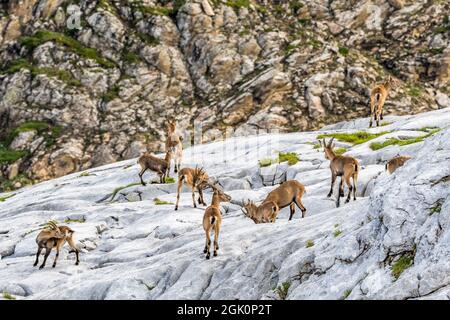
(159, 202)
(283, 290)
(343, 51)
(437, 207)
(403, 263)
(309, 243)
(354, 138)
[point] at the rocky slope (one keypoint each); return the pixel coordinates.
(392, 243)
(85, 83)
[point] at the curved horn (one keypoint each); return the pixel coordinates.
(330, 142)
(324, 142)
(52, 225)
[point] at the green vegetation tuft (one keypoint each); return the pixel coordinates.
(169, 180)
(403, 263)
(394, 141)
(437, 207)
(159, 202)
(116, 190)
(413, 90)
(354, 138)
(309, 243)
(340, 151)
(283, 290)
(86, 174)
(346, 294)
(343, 51)
(3, 199)
(337, 233)
(43, 36)
(131, 57)
(8, 296)
(111, 94)
(295, 6)
(238, 3)
(8, 156)
(291, 157)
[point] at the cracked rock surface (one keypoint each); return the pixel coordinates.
(392, 243)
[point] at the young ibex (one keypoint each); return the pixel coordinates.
(378, 96)
(174, 144)
(289, 193)
(344, 167)
(396, 162)
(196, 179)
(158, 165)
(54, 237)
(212, 219)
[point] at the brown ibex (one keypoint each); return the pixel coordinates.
(396, 162)
(289, 193)
(54, 237)
(174, 144)
(378, 96)
(194, 178)
(341, 166)
(158, 165)
(212, 219)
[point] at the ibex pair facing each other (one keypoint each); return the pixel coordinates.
(55, 237)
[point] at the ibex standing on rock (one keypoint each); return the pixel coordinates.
(289, 193)
(378, 96)
(212, 219)
(174, 144)
(158, 165)
(396, 162)
(54, 237)
(344, 167)
(196, 179)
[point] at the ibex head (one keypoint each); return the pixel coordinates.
(57, 231)
(328, 148)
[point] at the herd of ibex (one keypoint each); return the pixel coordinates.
(289, 193)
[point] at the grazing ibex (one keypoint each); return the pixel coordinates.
(341, 166)
(174, 144)
(396, 162)
(289, 193)
(212, 219)
(196, 179)
(378, 96)
(54, 237)
(158, 165)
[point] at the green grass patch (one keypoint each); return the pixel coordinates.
(343, 51)
(3, 199)
(118, 189)
(309, 243)
(290, 48)
(283, 290)
(148, 39)
(43, 36)
(413, 90)
(403, 263)
(238, 3)
(337, 233)
(8, 296)
(169, 180)
(63, 75)
(291, 157)
(159, 202)
(86, 174)
(8, 156)
(354, 138)
(394, 141)
(340, 151)
(111, 94)
(130, 57)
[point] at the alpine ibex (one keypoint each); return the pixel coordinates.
(396, 162)
(54, 237)
(341, 166)
(158, 165)
(174, 144)
(289, 193)
(196, 179)
(212, 219)
(378, 96)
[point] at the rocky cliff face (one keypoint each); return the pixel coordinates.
(84, 83)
